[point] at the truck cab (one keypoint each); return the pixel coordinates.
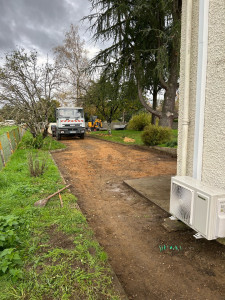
(69, 122)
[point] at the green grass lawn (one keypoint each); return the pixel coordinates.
(46, 252)
(121, 135)
(4, 129)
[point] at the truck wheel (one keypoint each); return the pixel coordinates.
(82, 136)
(58, 136)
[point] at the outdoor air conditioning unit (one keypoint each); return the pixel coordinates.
(199, 206)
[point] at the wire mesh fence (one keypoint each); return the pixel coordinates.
(8, 144)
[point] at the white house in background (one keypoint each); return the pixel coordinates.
(198, 199)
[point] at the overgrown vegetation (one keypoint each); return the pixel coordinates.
(138, 122)
(48, 143)
(49, 252)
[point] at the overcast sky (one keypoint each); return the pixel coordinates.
(41, 24)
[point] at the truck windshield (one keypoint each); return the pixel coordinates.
(70, 113)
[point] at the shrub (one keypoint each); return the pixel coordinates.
(155, 135)
(29, 142)
(36, 166)
(172, 144)
(140, 121)
(38, 141)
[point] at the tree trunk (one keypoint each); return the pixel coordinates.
(144, 103)
(154, 104)
(167, 117)
(45, 132)
(109, 127)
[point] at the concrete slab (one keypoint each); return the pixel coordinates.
(155, 188)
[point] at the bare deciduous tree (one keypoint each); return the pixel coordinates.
(28, 89)
(72, 57)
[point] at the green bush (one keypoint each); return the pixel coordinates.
(140, 121)
(172, 144)
(155, 135)
(29, 142)
(38, 141)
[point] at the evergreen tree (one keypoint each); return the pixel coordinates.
(145, 37)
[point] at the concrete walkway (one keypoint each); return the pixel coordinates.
(156, 189)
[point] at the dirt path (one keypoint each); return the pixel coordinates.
(129, 227)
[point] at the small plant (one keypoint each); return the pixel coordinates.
(9, 262)
(36, 166)
(155, 135)
(8, 235)
(9, 256)
(140, 121)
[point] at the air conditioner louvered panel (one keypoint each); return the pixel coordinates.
(181, 203)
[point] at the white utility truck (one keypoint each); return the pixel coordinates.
(69, 122)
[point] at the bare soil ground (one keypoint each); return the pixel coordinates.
(130, 228)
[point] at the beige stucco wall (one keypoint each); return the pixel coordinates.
(213, 167)
(214, 133)
(193, 83)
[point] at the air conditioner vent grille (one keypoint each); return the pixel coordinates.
(181, 202)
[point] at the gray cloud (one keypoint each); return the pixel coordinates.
(39, 24)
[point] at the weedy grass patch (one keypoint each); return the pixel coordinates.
(46, 252)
